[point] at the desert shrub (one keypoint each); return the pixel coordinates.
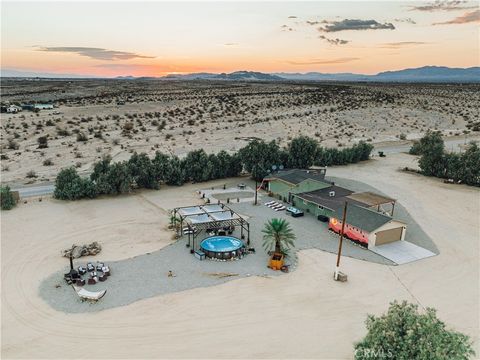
(6, 198)
(62, 132)
(81, 137)
(47, 162)
(42, 142)
(404, 333)
(12, 144)
(70, 186)
(31, 174)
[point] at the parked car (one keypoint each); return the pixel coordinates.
(294, 211)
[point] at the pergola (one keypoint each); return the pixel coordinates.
(371, 199)
(208, 217)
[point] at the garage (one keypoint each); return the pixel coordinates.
(388, 236)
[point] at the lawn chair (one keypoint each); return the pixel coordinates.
(89, 295)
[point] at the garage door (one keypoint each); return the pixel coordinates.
(388, 236)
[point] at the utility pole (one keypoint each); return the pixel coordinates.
(344, 218)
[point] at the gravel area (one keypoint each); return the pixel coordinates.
(145, 276)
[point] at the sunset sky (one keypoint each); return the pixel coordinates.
(157, 38)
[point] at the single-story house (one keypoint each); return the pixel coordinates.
(34, 107)
(322, 201)
(367, 227)
(13, 109)
(283, 184)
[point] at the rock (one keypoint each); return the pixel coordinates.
(83, 250)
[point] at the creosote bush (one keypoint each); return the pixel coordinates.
(6, 198)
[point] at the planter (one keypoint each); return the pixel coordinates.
(276, 261)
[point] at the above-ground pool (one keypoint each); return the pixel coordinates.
(222, 247)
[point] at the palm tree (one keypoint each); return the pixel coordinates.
(278, 235)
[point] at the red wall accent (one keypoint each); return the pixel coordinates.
(349, 231)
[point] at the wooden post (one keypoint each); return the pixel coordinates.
(256, 189)
(344, 218)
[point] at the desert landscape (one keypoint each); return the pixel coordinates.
(240, 180)
(308, 312)
(93, 118)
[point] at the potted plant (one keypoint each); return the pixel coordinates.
(279, 238)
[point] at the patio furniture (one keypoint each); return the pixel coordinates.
(91, 281)
(100, 266)
(90, 267)
(89, 295)
(102, 277)
(281, 208)
(82, 270)
(80, 282)
(200, 255)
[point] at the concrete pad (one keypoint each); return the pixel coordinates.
(402, 252)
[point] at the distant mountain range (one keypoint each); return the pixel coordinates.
(422, 74)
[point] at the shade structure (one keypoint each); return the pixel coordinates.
(208, 217)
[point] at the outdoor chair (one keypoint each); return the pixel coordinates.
(100, 266)
(80, 282)
(82, 270)
(91, 281)
(90, 267)
(103, 277)
(89, 295)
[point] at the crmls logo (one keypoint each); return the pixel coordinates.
(373, 353)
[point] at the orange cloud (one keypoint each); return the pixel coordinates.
(469, 17)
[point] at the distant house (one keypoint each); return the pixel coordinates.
(284, 184)
(37, 107)
(43, 106)
(13, 109)
(367, 227)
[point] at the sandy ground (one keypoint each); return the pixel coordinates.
(304, 314)
(219, 116)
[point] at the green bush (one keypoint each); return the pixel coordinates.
(70, 186)
(435, 161)
(257, 157)
(403, 333)
(6, 198)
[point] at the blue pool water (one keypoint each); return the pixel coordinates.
(221, 243)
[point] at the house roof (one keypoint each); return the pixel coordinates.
(296, 176)
(322, 197)
(370, 198)
(363, 218)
